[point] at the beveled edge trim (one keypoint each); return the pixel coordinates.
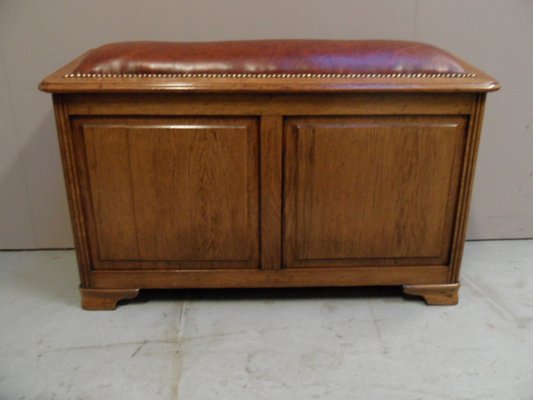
(235, 278)
(282, 75)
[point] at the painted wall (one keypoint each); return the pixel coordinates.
(37, 37)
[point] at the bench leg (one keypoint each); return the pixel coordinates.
(442, 295)
(105, 299)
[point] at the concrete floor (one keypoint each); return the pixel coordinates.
(284, 344)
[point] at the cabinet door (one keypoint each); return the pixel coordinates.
(170, 193)
(378, 190)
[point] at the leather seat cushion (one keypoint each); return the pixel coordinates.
(299, 57)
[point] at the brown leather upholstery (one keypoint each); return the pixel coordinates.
(271, 57)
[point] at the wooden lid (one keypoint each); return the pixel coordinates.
(269, 66)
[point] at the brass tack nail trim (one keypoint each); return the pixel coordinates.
(268, 76)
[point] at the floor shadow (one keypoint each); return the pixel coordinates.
(263, 294)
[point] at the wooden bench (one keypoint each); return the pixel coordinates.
(278, 163)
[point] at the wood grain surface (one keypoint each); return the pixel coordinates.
(183, 192)
(371, 190)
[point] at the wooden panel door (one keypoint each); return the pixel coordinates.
(378, 190)
(170, 193)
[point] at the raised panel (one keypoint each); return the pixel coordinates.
(371, 190)
(170, 193)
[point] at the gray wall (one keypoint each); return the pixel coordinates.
(37, 37)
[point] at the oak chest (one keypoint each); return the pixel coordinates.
(268, 164)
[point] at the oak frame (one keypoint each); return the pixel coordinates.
(271, 109)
